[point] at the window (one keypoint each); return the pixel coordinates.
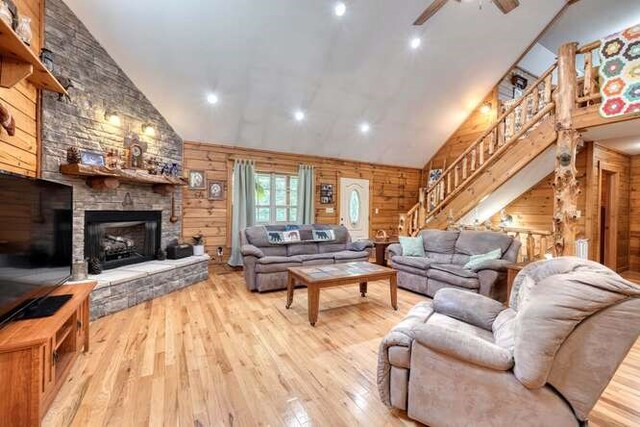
(354, 207)
(276, 198)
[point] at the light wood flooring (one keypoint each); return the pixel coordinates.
(216, 354)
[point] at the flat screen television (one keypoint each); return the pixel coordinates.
(35, 242)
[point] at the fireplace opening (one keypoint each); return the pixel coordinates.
(118, 238)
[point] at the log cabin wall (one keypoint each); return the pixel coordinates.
(505, 87)
(393, 189)
(533, 210)
(468, 132)
(20, 153)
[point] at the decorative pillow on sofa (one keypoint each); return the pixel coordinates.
(412, 246)
(475, 260)
(323, 235)
(275, 237)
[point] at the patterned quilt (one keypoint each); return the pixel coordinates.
(620, 73)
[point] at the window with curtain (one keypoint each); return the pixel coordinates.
(276, 198)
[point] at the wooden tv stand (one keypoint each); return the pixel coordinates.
(36, 356)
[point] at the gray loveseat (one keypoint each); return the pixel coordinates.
(447, 253)
(464, 359)
(266, 262)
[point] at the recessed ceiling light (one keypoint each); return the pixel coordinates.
(415, 42)
(365, 127)
(339, 8)
(212, 98)
(299, 115)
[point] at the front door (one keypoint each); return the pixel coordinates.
(354, 207)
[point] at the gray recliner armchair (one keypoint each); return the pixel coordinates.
(465, 359)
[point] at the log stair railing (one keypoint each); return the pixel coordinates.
(588, 92)
(515, 123)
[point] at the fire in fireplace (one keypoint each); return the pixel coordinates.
(120, 238)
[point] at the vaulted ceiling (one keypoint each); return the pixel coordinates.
(265, 59)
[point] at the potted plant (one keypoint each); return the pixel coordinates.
(198, 244)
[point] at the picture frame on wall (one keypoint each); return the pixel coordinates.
(196, 180)
(326, 194)
(91, 158)
(215, 190)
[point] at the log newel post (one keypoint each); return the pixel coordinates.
(566, 191)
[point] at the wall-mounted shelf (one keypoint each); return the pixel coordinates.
(101, 177)
(17, 62)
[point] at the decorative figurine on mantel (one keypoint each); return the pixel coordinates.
(152, 165)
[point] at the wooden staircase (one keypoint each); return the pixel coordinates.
(519, 135)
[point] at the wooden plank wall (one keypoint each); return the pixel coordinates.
(533, 210)
(505, 87)
(393, 189)
(20, 153)
(468, 132)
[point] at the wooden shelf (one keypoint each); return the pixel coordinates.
(18, 61)
(101, 177)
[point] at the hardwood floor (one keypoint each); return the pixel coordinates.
(216, 354)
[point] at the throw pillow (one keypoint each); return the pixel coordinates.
(475, 260)
(291, 236)
(275, 237)
(412, 246)
(323, 235)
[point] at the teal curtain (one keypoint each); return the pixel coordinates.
(244, 205)
(306, 189)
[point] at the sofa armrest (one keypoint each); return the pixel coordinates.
(464, 347)
(250, 250)
(393, 250)
(493, 264)
(360, 245)
(468, 307)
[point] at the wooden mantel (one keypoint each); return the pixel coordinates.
(102, 177)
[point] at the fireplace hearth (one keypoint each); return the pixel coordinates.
(119, 238)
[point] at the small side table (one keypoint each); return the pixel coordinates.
(381, 248)
(512, 272)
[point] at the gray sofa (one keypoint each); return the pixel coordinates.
(447, 253)
(266, 263)
(465, 359)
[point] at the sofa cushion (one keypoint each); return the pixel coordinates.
(317, 259)
(325, 248)
(480, 242)
(407, 269)
(412, 261)
(302, 249)
(350, 255)
(440, 258)
(276, 250)
(276, 264)
(442, 242)
(456, 270)
(454, 275)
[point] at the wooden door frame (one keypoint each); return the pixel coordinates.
(611, 256)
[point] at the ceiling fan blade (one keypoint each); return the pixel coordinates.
(506, 6)
(430, 11)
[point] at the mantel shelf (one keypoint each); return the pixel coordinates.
(102, 177)
(18, 61)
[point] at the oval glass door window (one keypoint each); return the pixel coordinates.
(354, 207)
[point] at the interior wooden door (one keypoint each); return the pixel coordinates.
(608, 219)
(354, 206)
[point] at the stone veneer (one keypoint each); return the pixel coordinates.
(100, 85)
(127, 286)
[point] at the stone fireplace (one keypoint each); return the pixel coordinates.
(119, 238)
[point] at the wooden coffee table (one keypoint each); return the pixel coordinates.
(328, 276)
